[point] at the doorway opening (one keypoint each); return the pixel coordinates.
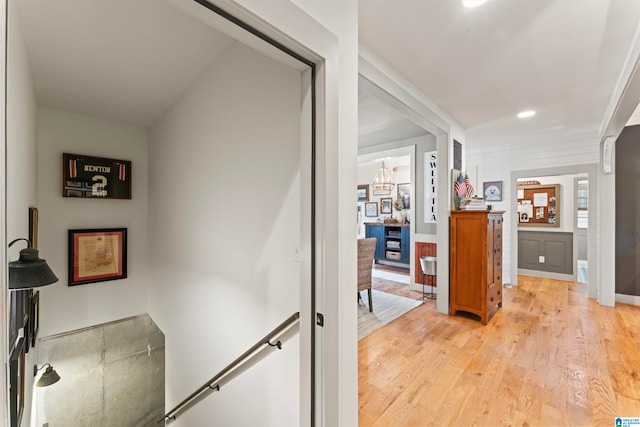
(548, 242)
(392, 132)
(175, 99)
(581, 191)
(548, 253)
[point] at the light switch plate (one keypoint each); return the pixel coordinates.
(541, 259)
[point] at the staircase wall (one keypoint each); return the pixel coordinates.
(112, 374)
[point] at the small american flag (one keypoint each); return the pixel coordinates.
(467, 183)
(460, 186)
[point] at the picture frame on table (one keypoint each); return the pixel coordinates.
(371, 209)
(97, 255)
(386, 205)
(363, 193)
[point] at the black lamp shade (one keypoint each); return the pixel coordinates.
(30, 271)
(49, 377)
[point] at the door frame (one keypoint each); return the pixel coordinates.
(575, 223)
(412, 106)
(594, 289)
(317, 83)
(4, 357)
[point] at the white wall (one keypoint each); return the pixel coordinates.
(4, 352)
(329, 32)
(20, 162)
(224, 222)
(497, 158)
(62, 307)
(21, 131)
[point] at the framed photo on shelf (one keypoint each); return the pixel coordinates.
(363, 193)
(371, 209)
(492, 191)
(95, 177)
(386, 205)
(97, 255)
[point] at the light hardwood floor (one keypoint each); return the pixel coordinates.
(549, 357)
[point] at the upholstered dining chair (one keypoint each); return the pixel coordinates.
(366, 249)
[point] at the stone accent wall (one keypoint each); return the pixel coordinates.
(111, 375)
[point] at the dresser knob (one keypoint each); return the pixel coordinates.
(498, 263)
(498, 277)
(498, 292)
(491, 299)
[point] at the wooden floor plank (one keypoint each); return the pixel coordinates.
(549, 357)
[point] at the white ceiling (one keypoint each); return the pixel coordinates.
(122, 60)
(128, 60)
(379, 123)
(482, 66)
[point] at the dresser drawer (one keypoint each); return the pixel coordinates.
(497, 272)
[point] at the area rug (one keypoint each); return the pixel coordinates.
(386, 307)
(389, 275)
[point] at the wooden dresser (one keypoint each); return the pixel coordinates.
(476, 262)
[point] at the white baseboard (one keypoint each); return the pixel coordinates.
(628, 299)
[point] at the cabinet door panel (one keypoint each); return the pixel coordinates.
(406, 247)
(470, 244)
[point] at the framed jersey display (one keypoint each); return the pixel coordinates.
(95, 177)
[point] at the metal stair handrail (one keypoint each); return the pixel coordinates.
(214, 382)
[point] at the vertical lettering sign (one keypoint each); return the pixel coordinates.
(430, 174)
(95, 177)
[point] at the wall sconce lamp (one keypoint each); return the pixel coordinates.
(383, 182)
(29, 271)
(49, 377)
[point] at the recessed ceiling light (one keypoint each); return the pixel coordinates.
(473, 3)
(525, 114)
